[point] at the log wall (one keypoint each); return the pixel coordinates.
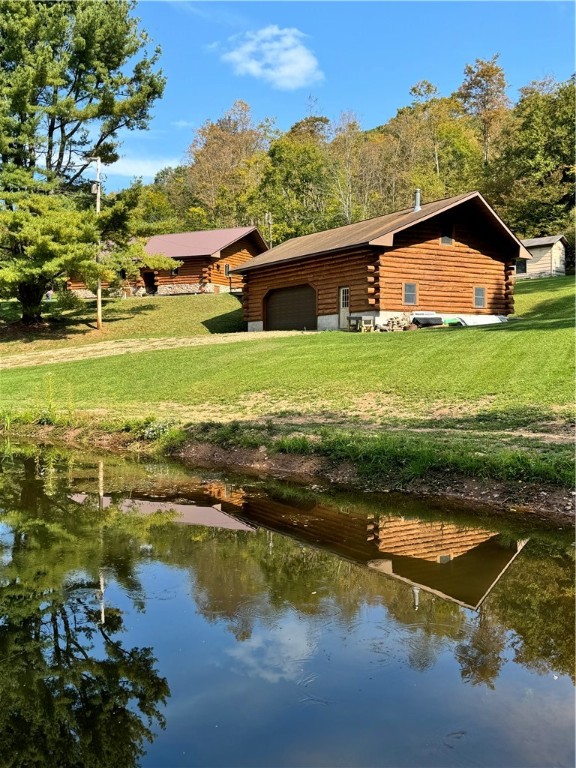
(234, 256)
(446, 275)
(325, 274)
(191, 271)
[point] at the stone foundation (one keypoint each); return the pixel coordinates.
(176, 289)
(327, 322)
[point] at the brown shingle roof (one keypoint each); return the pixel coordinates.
(204, 243)
(365, 232)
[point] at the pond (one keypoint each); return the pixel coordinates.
(151, 615)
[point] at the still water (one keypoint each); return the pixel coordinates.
(154, 616)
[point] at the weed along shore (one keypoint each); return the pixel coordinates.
(522, 483)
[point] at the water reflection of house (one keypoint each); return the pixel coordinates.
(456, 562)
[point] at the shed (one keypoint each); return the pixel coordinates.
(548, 257)
(452, 256)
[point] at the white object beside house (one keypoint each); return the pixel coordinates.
(548, 257)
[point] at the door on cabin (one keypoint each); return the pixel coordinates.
(343, 307)
(149, 282)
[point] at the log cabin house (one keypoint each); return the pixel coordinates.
(455, 257)
(207, 258)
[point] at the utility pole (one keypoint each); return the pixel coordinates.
(268, 220)
(96, 187)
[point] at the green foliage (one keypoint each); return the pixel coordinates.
(534, 182)
(42, 237)
(72, 75)
(295, 186)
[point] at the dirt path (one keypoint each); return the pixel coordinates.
(127, 346)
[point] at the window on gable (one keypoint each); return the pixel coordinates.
(479, 298)
(447, 234)
(410, 293)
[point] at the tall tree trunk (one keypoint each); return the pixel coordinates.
(30, 296)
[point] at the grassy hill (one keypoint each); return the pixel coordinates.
(527, 362)
(497, 396)
(136, 318)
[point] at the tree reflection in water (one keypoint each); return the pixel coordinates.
(71, 694)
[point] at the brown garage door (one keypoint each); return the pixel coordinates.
(291, 309)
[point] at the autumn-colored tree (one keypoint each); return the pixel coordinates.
(224, 166)
(483, 94)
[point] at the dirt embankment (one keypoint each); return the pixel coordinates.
(513, 499)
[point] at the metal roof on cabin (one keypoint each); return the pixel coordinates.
(535, 241)
(202, 243)
(350, 235)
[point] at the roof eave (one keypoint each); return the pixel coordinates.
(247, 267)
(254, 232)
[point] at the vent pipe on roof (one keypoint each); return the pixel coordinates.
(417, 205)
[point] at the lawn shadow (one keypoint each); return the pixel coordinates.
(230, 322)
(78, 322)
(533, 418)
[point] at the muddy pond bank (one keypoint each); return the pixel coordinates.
(514, 499)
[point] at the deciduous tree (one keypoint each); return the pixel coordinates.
(483, 94)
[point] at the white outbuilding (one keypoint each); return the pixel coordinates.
(548, 257)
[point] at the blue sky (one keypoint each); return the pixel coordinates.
(288, 59)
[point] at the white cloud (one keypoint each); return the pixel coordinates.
(146, 167)
(183, 123)
(277, 654)
(277, 56)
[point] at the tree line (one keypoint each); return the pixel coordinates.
(73, 75)
(324, 173)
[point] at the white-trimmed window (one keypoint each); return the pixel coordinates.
(479, 297)
(410, 293)
(521, 266)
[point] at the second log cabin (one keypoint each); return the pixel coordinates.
(206, 259)
(454, 256)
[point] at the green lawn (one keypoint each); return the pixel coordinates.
(493, 401)
(524, 364)
(166, 316)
